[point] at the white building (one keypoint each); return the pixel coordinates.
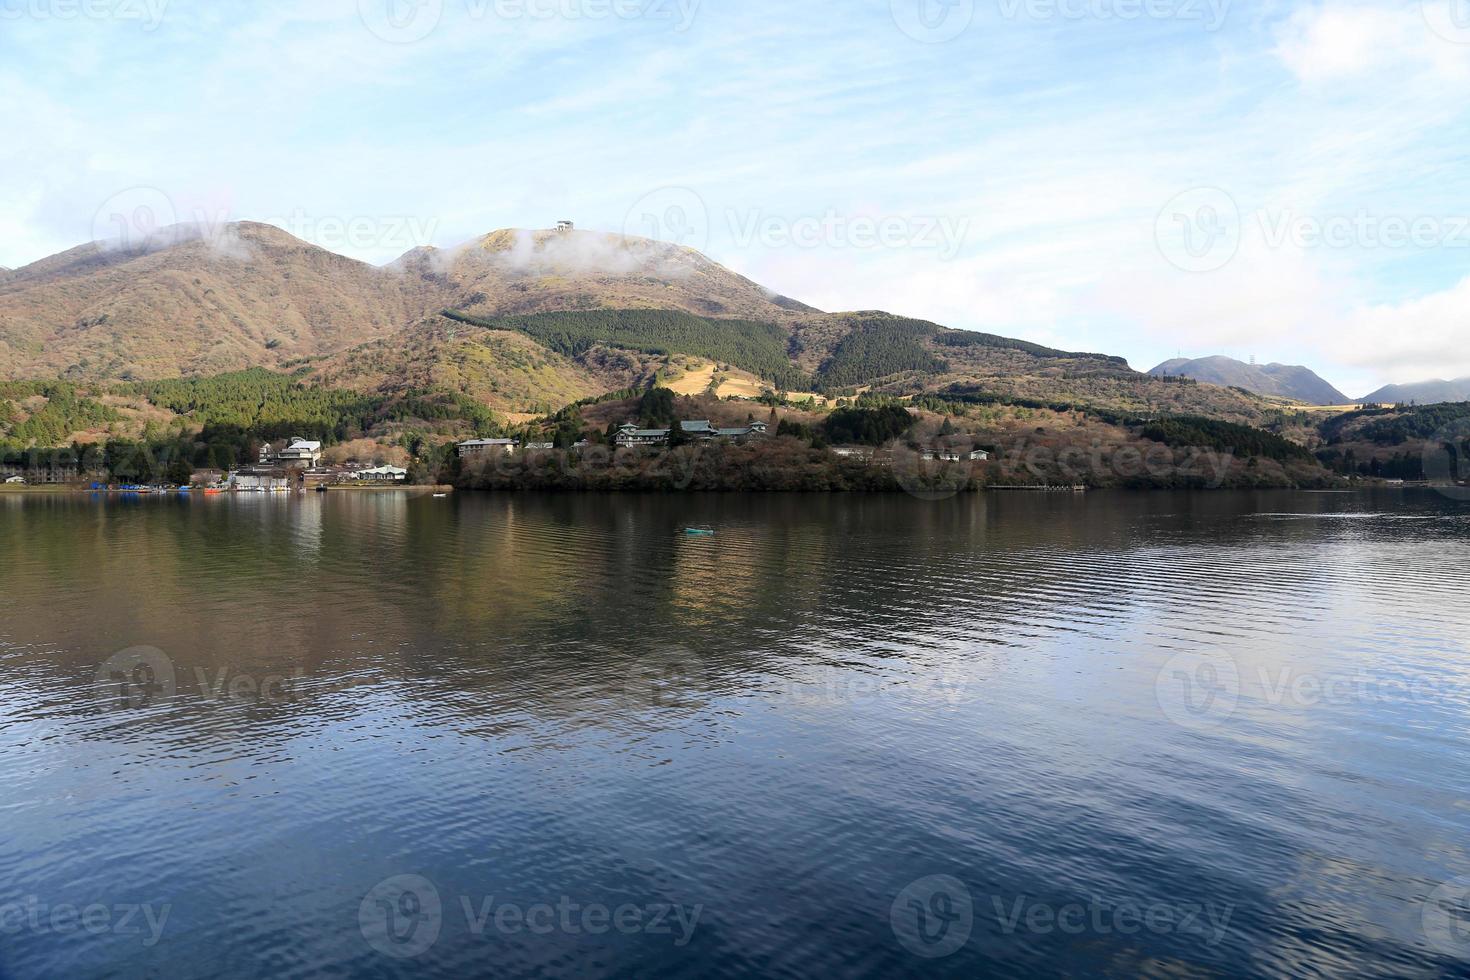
(383, 474)
(297, 453)
(260, 481)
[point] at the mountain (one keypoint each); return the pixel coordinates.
(194, 302)
(1422, 393)
(1272, 380)
(517, 322)
(515, 272)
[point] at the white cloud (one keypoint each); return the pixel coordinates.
(1333, 42)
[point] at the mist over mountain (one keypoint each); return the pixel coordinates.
(1272, 380)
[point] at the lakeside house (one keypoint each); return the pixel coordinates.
(298, 453)
(382, 474)
(52, 474)
(853, 452)
(699, 430)
(475, 448)
(260, 479)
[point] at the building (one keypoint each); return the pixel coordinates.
(477, 448)
(260, 480)
(699, 430)
(383, 474)
(744, 432)
(207, 478)
(853, 452)
(42, 475)
(300, 453)
(955, 455)
(539, 446)
(565, 226)
(630, 435)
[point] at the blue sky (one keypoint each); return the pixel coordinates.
(1130, 176)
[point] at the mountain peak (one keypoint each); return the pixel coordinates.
(1275, 380)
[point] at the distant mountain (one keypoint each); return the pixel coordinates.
(1278, 380)
(1422, 393)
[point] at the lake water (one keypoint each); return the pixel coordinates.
(1011, 735)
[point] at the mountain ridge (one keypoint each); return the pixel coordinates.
(1421, 392)
(542, 319)
(1273, 380)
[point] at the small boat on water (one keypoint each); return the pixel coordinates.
(699, 532)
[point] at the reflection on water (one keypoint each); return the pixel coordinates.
(389, 735)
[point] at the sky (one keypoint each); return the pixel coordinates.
(1139, 177)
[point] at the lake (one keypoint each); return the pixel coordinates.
(1002, 734)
